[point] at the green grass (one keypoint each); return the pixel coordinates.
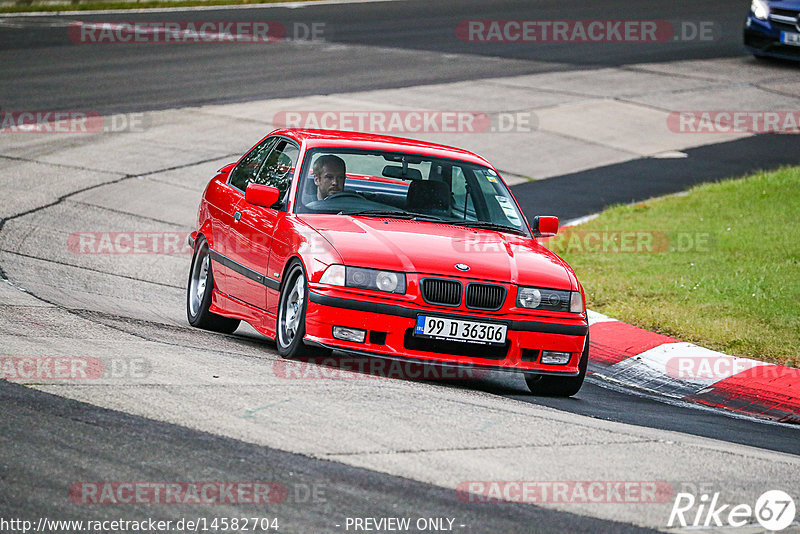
(738, 291)
(24, 6)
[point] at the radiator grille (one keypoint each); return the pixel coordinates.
(441, 292)
(485, 296)
(784, 12)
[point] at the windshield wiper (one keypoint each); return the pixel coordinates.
(379, 213)
(397, 214)
(490, 226)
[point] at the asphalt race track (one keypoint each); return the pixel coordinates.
(368, 46)
(182, 405)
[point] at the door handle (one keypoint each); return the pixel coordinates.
(237, 216)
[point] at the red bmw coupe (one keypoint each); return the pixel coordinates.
(385, 247)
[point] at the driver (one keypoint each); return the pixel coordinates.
(329, 174)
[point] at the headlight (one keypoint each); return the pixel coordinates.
(540, 298)
(529, 297)
(760, 9)
(386, 281)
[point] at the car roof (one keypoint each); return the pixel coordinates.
(344, 139)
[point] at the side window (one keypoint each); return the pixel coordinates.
(278, 169)
(248, 168)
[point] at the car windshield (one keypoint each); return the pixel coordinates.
(392, 184)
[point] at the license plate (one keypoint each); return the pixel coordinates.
(790, 38)
(460, 330)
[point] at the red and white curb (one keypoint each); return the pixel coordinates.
(660, 364)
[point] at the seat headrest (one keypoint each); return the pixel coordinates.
(428, 194)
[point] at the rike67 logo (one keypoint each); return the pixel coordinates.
(774, 510)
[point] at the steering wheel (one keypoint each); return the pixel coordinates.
(343, 194)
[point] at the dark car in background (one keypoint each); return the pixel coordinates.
(772, 29)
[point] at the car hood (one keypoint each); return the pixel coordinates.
(435, 249)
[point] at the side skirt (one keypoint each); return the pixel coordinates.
(259, 319)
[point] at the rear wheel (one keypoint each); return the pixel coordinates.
(556, 386)
(198, 293)
(291, 327)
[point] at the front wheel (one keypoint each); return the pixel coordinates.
(198, 294)
(556, 386)
(292, 307)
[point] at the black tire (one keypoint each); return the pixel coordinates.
(291, 323)
(198, 294)
(556, 386)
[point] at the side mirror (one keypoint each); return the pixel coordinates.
(261, 195)
(545, 226)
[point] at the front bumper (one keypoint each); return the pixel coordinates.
(763, 38)
(389, 334)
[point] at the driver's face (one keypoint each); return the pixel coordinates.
(330, 180)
